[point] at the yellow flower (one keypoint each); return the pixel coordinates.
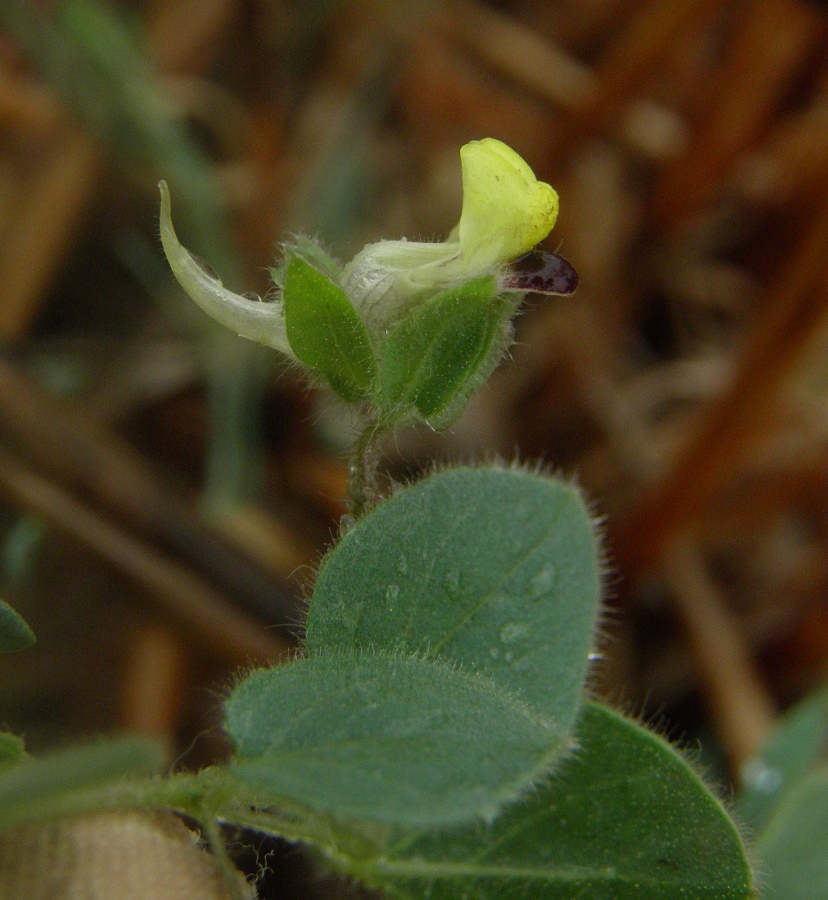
(506, 211)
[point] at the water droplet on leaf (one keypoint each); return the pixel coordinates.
(543, 580)
(514, 631)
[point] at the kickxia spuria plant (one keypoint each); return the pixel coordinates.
(435, 737)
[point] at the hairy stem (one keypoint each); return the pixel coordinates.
(362, 471)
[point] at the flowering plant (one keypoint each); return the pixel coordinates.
(410, 328)
(435, 737)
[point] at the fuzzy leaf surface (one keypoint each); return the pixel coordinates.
(386, 738)
(325, 331)
(493, 568)
(793, 848)
(15, 634)
(312, 253)
(624, 818)
(428, 359)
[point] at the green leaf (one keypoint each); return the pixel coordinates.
(54, 785)
(625, 817)
(385, 738)
(325, 331)
(12, 749)
(15, 634)
(429, 358)
(496, 569)
(793, 848)
(797, 742)
(311, 253)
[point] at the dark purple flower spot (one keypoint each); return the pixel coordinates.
(541, 273)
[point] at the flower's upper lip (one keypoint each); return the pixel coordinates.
(506, 210)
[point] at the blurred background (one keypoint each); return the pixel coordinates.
(166, 489)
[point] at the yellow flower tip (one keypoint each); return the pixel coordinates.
(506, 210)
